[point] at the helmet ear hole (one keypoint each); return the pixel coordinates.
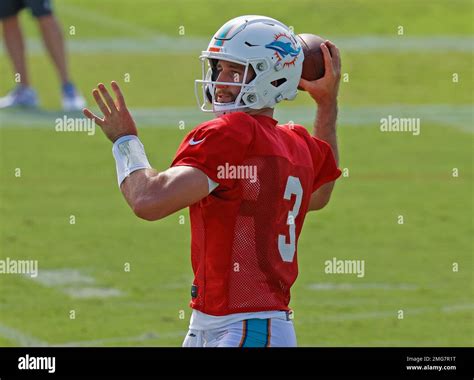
(215, 73)
(251, 74)
(278, 82)
(208, 94)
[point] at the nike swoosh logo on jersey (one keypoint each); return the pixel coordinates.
(194, 142)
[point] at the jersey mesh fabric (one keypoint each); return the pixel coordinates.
(235, 254)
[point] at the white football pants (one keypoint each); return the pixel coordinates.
(272, 332)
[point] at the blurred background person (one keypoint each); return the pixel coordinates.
(23, 94)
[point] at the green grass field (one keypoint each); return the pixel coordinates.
(408, 267)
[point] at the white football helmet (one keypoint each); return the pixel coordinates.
(263, 43)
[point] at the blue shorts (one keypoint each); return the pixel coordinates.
(38, 8)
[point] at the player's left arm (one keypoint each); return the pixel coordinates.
(324, 92)
(325, 129)
(151, 194)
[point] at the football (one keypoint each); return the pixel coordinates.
(313, 64)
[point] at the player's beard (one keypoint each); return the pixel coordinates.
(223, 96)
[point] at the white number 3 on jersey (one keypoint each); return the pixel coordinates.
(287, 250)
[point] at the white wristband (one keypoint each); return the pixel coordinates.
(130, 156)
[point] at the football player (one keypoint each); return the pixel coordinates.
(244, 227)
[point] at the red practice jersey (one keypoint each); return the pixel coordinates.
(245, 233)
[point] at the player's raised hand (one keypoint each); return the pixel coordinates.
(117, 121)
(324, 90)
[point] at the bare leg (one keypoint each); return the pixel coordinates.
(16, 47)
(53, 39)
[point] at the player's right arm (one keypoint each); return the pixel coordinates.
(324, 92)
(193, 176)
(153, 195)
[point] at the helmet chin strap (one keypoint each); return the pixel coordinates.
(229, 107)
(226, 108)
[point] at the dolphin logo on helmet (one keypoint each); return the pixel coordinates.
(262, 45)
(283, 48)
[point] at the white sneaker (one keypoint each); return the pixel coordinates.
(20, 96)
(72, 100)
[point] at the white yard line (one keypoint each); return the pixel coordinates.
(103, 19)
(383, 343)
(456, 116)
(157, 44)
(336, 317)
(20, 338)
(74, 283)
(139, 338)
(456, 308)
(92, 292)
(24, 340)
(377, 314)
(362, 286)
(62, 277)
(400, 44)
(152, 41)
